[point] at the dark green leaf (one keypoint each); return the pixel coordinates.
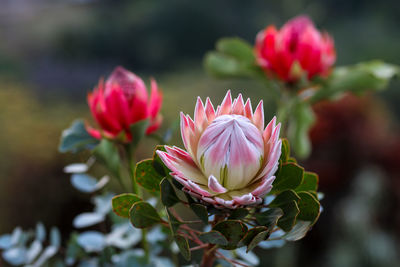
(257, 239)
(174, 223)
(289, 176)
(233, 231)
(213, 237)
(183, 246)
(158, 164)
(269, 218)
(122, 203)
(76, 138)
(107, 153)
(298, 231)
(251, 234)
(309, 207)
(238, 214)
(287, 201)
(168, 195)
(310, 182)
(147, 177)
(143, 215)
(201, 211)
(285, 150)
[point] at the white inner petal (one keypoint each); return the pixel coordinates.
(231, 149)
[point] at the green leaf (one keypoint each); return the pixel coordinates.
(237, 48)
(298, 231)
(158, 164)
(213, 237)
(251, 234)
(168, 195)
(122, 203)
(174, 223)
(287, 201)
(76, 138)
(269, 218)
(285, 150)
(289, 176)
(309, 207)
(309, 183)
(373, 75)
(234, 58)
(138, 130)
(257, 239)
(107, 153)
(238, 214)
(143, 215)
(233, 231)
(299, 125)
(222, 66)
(183, 246)
(201, 211)
(147, 177)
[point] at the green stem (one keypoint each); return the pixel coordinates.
(136, 190)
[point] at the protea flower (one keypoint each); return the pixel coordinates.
(230, 159)
(296, 49)
(121, 102)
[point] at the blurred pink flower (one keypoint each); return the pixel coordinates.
(298, 48)
(121, 102)
(230, 159)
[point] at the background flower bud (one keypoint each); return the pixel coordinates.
(122, 101)
(297, 49)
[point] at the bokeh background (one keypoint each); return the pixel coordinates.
(52, 52)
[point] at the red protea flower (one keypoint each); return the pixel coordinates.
(230, 159)
(121, 102)
(296, 49)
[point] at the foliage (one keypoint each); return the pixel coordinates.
(234, 58)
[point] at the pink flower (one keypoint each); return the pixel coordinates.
(121, 102)
(230, 159)
(297, 48)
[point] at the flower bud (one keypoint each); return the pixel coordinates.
(297, 49)
(121, 102)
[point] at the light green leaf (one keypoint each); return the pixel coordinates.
(76, 138)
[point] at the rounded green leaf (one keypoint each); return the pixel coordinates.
(168, 195)
(183, 246)
(213, 237)
(201, 211)
(251, 234)
(289, 176)
(309, 207)
(143, 215)
(147, 177)
(309, 183)
(122, 204)
(269, 218)
(233, 231)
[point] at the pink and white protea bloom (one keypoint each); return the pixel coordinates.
(230, 159)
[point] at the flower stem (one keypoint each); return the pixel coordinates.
(208, 256)
(136, 190)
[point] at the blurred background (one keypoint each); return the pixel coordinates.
(52, 53)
